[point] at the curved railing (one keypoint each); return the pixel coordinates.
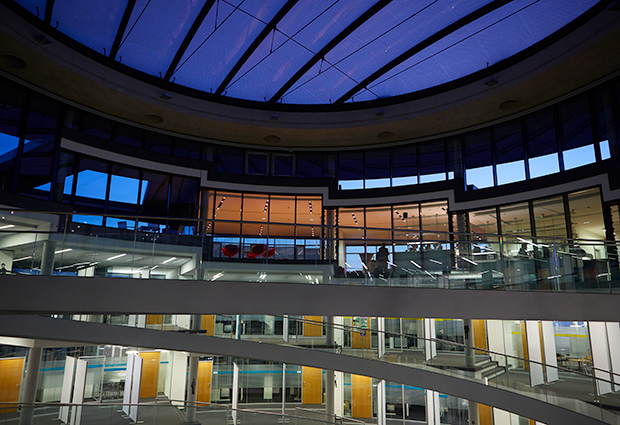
(156, 247)
(578, 391)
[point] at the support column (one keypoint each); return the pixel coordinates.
(468, 334)
(381, 405)
(235, 392)
(30, 385)
(329, 331)
(47, 258)
(192, 378)
(283, 390)
(380, 336)
(330, 395)
(472, 412)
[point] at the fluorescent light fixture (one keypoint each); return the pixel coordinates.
(415, 264)
(153, 268)
(7, 226)
(23, 258)
(469, 261)
(63, 250)
(434, 261)
(169, 260)
(217, 276)
(115, 257)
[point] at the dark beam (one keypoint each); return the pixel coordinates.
(121, 29)
(333, 43)
(188, 38)
(49, 6)
(423, 45)
(255, 44)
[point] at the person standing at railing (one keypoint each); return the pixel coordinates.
(382, 259)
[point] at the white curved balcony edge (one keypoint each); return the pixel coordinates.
(61, 294)
(84, 332)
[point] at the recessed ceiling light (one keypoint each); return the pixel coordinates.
(116, 256)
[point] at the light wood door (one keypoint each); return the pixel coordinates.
(208, 323)
(361, 396)
(154, 319)
(150, 374)
(311, 329)
(11, 371)
(204, 382)
(480, 335)
(485, 414)
(360, 338)
(311, 390)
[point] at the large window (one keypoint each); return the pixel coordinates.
(510, 165)
(542, 145)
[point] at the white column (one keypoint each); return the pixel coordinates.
(468, 336)
(551, 360)
(192, 378)
(78, 391)
(283, 388)
(381, 405)
(381, 336)
(534, 352)
(600, 356)
(432, 408)
(30, 385)
(235, 392)
(613, 339)
(339, 393)
(430, 347)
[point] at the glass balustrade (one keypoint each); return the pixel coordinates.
(570, 381)
(141, 247)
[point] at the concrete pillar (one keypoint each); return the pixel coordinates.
(330, 404)
(468, 334)
(473, 413)
(329, 331)
(380, 336)
(235, 393)
(47, 258)
(192, 377)
(283, 389)
(30, 385)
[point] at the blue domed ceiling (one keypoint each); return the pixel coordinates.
(308, 52)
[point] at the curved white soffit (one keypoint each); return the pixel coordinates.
(84, 332)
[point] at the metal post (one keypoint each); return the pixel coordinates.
(468, 334)
(47, 259)
(192, 378)
(30, 385)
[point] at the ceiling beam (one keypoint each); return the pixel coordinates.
(49, 7)
(484, 10)
(255, 44)
(329, 46)
(188, 38)
(121, 29)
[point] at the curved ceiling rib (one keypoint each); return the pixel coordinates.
(188, 38)
(255, 44)
(49, 6)
(423, 45)
(121, 29)
(329, 46)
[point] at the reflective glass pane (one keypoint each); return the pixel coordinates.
(577, 142)
(509, 153)
(230, 160)
(432, 162)
(124, 188)
(183, 197)
(154, 194)
(92, 183)
(549, 217)
(257, 163)
(309, 165)
(227, 206)
(255, 214)
(404, 166)
(605, 123)
(308, 213)
(542, 145)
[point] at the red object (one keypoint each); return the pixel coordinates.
(230, 250)
(258, 249)
(270, 252)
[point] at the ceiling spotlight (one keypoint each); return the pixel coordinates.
(491, 82)
(165, 97)
(42, 40)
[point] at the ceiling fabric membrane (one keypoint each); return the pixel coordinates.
(308, 52)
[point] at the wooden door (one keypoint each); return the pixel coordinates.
(360, 338)
(204, 382)
(480, 335)
(11, 371)
(154, 319)
(361, 396)
(311, 329)
(311, 390)
(485, 414)
(150, 374)
(208, 324)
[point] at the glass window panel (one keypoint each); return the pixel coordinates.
(483, 221)
(98, 127)
(92, 183)
(227, 206)
(586, 216)
(376, 183)
(208, 153)
(509, 153)
(64, 178)
(129, 136)
(93, 24)
(605, 123)
(577, 141)
(350, 184)
(434, 218)
(282, 210)
(308, 213)
(183, 197)
(36, 7)
(352, 224)
(8, 152)
(378, 218)
(283, 165)
(549, 217)
(542, 145)
(329, 165)
(515, 222)
(158, 143)
(230, 160)
(310, 165)
(455, 168)
(377, 164)
(73, 118)
(256, 210)
(154, 194)
(186, 149)
(124, 189)
(432, 162)
(11, 104)
(407, 219)
(404, 166)
(350, 166)
(257, 163)
(479, 169)
(577, 157)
